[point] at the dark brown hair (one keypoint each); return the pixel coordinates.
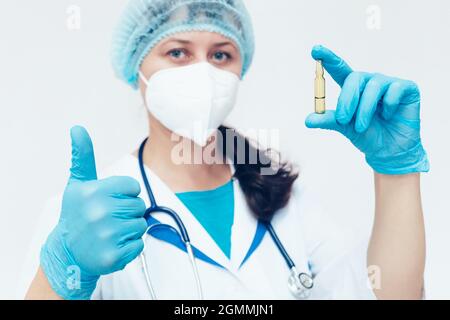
(265, 193)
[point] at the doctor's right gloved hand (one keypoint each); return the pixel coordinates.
(100, 227)
(379, 114)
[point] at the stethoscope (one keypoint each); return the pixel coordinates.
(299, 283)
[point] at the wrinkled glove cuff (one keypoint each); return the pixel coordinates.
(62, 272)
(411, 161)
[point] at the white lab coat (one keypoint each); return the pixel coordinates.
(315, 246)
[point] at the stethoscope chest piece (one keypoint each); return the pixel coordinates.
(300, 284)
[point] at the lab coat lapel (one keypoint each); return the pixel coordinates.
(244, 228)
(200, 238)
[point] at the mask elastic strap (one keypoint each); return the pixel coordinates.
(141, 75)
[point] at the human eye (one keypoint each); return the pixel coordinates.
(177, 54)
(221, 57)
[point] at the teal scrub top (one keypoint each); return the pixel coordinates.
(214, 209)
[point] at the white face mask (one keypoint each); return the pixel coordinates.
(192, 101)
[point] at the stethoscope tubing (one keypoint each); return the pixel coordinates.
(185, 236)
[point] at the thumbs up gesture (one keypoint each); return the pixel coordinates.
(100, 227)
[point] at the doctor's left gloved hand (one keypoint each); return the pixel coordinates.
(380, 115)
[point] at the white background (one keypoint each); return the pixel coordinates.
(53, 77)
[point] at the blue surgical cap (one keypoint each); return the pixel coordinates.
(146, 22)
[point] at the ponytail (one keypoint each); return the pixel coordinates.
(266, 192)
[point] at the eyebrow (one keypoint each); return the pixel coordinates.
(178, 40)
(226, 43)
(182, 41)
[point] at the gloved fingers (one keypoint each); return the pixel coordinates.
(121, 186)
(396, 94)
(129, 207)
(132, 230)
(371, 97)
(130, 251)
(83, 159)
(325, 121)
(336, 67)
(350, 96)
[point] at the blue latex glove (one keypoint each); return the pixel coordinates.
(100, 226)
(380, 115)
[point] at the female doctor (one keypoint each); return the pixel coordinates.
(245, 232)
